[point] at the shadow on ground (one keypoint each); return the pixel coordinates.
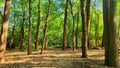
(54, 58)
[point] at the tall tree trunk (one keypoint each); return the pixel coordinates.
(65, 26)
(38, 27)
(84, 30)
(73, 30)
(88, 21)
(118, 29)
(105, 19)
(4, 30)
(12, 34)
(77, 30)
(111, 50)
(22, 30)
(1, 16)
(45, 27)
(30, 29)
(97, 30)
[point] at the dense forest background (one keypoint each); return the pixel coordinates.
(46, 24)
(20, 9)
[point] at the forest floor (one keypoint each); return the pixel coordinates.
(54, 58)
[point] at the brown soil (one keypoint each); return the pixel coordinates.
(54, 58)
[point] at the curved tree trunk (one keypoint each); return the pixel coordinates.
(73, 30)
(38, 27)
(4, 30)
(45, 27)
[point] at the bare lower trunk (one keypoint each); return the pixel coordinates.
(88, 21)
(38, 27)
(111, 50)
(12, 35)
(64, 28)
(84, 30)
(73, 30)
(30, 29)
(77, 31)
(22, 31)
(4, 30)
(45, 27)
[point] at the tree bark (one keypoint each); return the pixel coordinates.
(22, 30)
(4, 30)
(65, 27)
(84, 29)
(88, 21)
(30, 29)
(111, 50)
(73, 30)
(12, 34)
(105, 19)
(77, 30)
(97, 30)
(45, 27)
(38, 27)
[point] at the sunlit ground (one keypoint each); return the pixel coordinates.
(54, 58)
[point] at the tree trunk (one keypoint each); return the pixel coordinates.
(97, 30)
(30, 29)
(111, 50)
(84, 30)
(73, 31)
(77, 30)
(4, 30)
(12, 35)
(65, 26)
(105, 19)
(45, 27)
(22, 30)
(38, 27)
(88, 21)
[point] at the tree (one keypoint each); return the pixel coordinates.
(111, 50)
(84, 29)
(65, 27)
(73, 30)
(4, 30)
(76, 34)
(38, 27)
(30, 29)
(12, 34)
(97, 29)
(105, 19)
(88, 21)
(22, 29)
(45, 27)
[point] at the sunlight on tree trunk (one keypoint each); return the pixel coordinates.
(111, 50)
(4, 31)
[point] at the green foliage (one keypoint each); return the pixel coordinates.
(56, 19)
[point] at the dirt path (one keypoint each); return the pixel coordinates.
(54, 58)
